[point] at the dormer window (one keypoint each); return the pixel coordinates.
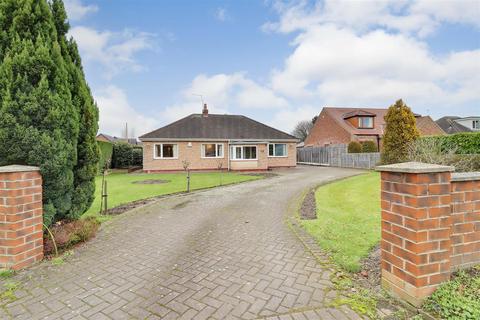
(365, 122)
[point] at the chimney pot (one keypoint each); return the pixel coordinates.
(205, 110)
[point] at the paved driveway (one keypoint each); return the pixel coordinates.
(218, 254)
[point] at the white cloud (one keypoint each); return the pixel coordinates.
(419, 17)
(115, 111)
(76, 10)
(223, 92)
(287, 119)
(114, 51)
(221, 14)
(344, 59)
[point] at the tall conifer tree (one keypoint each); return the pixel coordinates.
(47, 114)
(400, 131)
(87, 148)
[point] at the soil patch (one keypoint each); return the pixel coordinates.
(370, 276)
(308, 211)
(181, 205)
(129, 206)
(151, 181)
(261, 174)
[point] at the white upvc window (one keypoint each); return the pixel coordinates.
(212, 150)
(277, 150)
(243, 152)
(165, 151)
(476, 124)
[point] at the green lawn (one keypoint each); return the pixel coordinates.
(348, 219)
(121, 188)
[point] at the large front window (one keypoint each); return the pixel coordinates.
(212, 150)
(243, 152)
(277, 150)
(365, 122)
(166, 151)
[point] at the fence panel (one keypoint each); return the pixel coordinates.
(337, 156)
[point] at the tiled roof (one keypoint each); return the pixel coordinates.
(425, 124)
(449, 125)
(217, 126)
(428, 127)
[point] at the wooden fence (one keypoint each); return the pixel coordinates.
(337, 156)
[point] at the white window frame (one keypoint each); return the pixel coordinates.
(275, 156)
(233, 155)
(175, 151)
(476, 124)
(202, 151)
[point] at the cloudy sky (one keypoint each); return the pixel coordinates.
(275, 61)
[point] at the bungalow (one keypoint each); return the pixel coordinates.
(215, 141)
(342, 125)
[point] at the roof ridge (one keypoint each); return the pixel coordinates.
(168, 125)
(266, 125)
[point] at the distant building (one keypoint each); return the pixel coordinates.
(107, 138)
(453, 124)
(342, 125)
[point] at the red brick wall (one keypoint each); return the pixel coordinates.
(327, 131)
(21, 232)
(430, 227)
(415, 232)
(465, 208)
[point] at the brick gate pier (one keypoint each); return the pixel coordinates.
(430, 226)
(21, 216)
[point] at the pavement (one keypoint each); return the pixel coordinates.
(223, 253)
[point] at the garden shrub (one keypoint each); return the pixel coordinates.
(369, 146)
(106, 151)
(354, 147)
(126, 155)
(400, 131)
(68, 234)
(137, 156)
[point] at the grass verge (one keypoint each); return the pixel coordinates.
(122, 187)
(348, 219)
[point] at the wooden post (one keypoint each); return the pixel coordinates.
(101, 192)
(105, 195)
(188, 180)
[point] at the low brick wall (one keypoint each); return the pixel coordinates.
(465, 213)
(430, 226)
(21, 217)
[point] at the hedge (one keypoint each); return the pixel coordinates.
(126, 155)
(462, 143)
(106, 151)
(354, 147)
(369, 146)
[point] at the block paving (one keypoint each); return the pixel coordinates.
(224, 253)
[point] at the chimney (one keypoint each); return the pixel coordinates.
(205, 110)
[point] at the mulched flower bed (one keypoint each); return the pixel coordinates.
(68, 234)
(261, 174)
(308, 211)
(371, 273)
(151, 181)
